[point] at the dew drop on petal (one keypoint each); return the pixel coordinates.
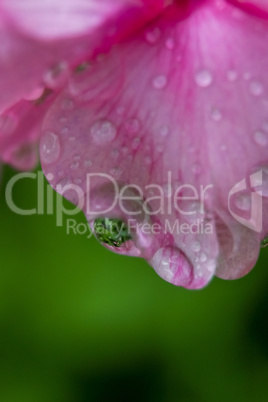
(50, 147)
(260, 138)
(196, 246)
(87, 163)
(243, 202)
(232, 75)
(160, 82)
(61, 183)
(74, 165)
(50, 177)
(56, 75)
(256, 88)
(203, 78)
(152, 36)
(103, 132)
(170, 44)
(116, 172)
(216, 115)
(203, 257)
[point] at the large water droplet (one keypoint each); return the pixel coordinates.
(203, 78)
(172, 265)
(160, 82)
(103, 132)
(50, 147)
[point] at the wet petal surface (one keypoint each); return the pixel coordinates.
(182, 122)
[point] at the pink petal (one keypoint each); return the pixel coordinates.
(54, 19)
(258, 7)
(168, 105)
(20, 130)
(35, 53)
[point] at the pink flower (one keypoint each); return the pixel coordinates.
(166, 103)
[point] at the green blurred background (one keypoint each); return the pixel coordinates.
(79, 323)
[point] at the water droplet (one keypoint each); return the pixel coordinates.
(167, 188)
(56, 76)
(243, 202)
(160, 82)
(264, 242)
(116, 172)
(103, 132)
(170, 43)
(203, 78)
(232, 75)
(74, 165)
(216, 115)
(61, 183)
(64, 130)
(50, 147)
(196, 246)
(50, 177)
(115, 153)
(132, 126)
(203, 257)
(87, 163)
(256, 88)
(152, 36)
(260, 138)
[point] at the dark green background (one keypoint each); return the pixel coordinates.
(78, 323)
